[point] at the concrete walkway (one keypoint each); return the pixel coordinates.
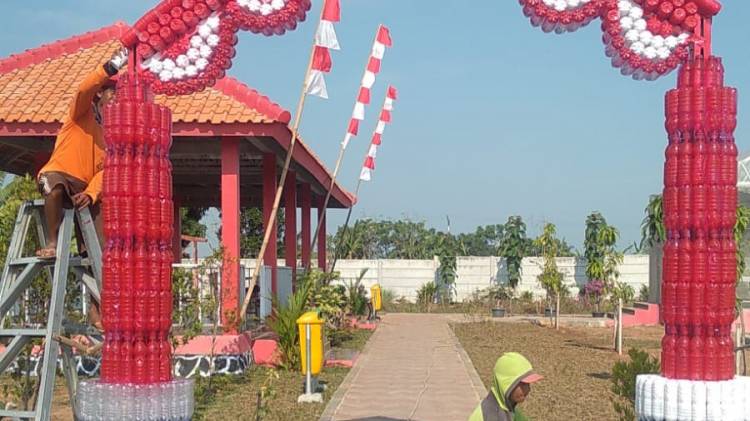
(413, 368)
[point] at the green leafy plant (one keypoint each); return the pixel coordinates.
(426, 295)
(653, 231)
(283, 322)
(643, 293)
(512, 248)
(266, 394)
(496, 294)
(388, 298)
(446, 249)
(551, 278)
(623, 378)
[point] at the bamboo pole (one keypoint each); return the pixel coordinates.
(619, 326)
(336, 169)
(280, 189)
(344, 230)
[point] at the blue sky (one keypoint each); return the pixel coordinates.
(495, 117)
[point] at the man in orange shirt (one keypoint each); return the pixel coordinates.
(73, 174)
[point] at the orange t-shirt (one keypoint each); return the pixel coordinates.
(79, 147)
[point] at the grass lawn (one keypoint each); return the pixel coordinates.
(576, 363)
(236, 397)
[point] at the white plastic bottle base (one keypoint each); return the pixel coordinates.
(169, 401)
(661, 399)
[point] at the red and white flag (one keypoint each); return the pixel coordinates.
(385, 117)
(382, 41)
(325, 40)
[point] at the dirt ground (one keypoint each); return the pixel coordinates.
(576, 363)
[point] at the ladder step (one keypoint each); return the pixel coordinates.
(4, 333)
(74, 261)
(17, 414)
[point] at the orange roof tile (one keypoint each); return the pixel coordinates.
(36, 86)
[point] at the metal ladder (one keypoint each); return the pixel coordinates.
(19, 272)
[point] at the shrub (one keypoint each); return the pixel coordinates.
(283, 322)
(426, 294)
(643, 293)
(388, 298)
(623, 381)
(593, 291)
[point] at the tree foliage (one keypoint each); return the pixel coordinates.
(17, 191)
(513, 248)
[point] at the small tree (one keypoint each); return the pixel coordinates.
(512, 248)
(550, 278)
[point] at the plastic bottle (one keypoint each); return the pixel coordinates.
(165, 361)
(685, 161)
(682, 365)
(699, 159)
(668, 353)
(728, 201)
(685, 207)
(152, 359)
(139, 361)
(710, 366)
(698, 284)
(724, 354)
(685, 249)
(714, 207)
(670, 164)
(714, 274)
(671, 208)
(696, 356)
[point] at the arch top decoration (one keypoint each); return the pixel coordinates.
(645, 39)
(187, 45)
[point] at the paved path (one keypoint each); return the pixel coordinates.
(413, 368)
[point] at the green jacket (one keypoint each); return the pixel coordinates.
(510, 368)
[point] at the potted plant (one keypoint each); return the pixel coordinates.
(594, 291)
(497, 294)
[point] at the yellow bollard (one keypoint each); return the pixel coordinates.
(310, 324)
(377, 297)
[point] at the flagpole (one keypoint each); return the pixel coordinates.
(390, 96)
(342, 151)
(343, 232)
(271, 222)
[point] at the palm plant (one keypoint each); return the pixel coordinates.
(283, 322)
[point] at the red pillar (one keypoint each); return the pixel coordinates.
(306, 237)
(290, 219)
(322, 237)
(269, 194)
(177, 233)
(230, 231)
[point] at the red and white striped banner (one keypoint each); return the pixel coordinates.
(377, 137)
(382, 41)
(325, 40)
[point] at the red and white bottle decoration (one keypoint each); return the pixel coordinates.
(645, 39)
(136, 372)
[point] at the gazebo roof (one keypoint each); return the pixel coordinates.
(36, 88)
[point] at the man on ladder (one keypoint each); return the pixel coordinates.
(73, 175)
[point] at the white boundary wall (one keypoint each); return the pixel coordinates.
(405, 277)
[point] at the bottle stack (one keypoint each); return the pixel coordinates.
(137, 261)
(700, 202)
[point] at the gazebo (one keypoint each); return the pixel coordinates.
(229, 146)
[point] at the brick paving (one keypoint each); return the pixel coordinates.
(413, 368)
